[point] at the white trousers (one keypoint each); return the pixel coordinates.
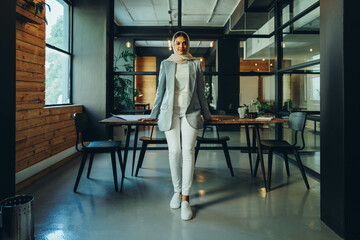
(181, 134)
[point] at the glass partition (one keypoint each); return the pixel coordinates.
(292, 8)
(300, 53)
(301, 40)
(261, 88)
(123, 83)
(136, 69)
(301, 92)
(257, 55)
(253, 23)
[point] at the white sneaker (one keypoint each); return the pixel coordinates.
(175, 201)
(186, 213)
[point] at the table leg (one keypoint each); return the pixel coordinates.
(249, 147)
(254, 137)
(134, 151)
(127, 141)
(260, 155)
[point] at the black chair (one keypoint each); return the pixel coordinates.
(145, 142)
(218, 140)
(82, 127)
(297, 123)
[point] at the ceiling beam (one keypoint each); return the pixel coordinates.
(170, 13)
(195, 33)
(212, 11)
(179, 15)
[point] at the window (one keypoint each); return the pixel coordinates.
(301, 40)
(58, 54)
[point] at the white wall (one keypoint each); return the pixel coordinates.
(248, 89)
(90, 60)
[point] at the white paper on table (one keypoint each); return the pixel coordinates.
(131, 117)
(264, 118)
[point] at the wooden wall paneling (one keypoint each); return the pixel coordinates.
(35, 104)
(30, 67)
(26, 37)
(40, 131)
(32, 29)
(34, 113)
(31, 150)
(34, 122)
(146, 84)
(59, 141)
(30, 76)
(23, 86)
(145, 64)
(256, 65)
(27, 142)
(57, 148)
(26, 13)
(27, 162)
(30, 48)
(45, 145)
(31, 132)
(29, 57)
(29, 96)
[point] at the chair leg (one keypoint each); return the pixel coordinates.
(249, 148)
(90, 164)
(301, 167)
(287, 164)
(269, 167)
(113, 163)
(227, 157)
(256, 164)
(141, 158)
(120, 161)
(122, 169)
(134, 151)
(81, 168)
(197, 148)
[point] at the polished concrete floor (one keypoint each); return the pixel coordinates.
(225, 207)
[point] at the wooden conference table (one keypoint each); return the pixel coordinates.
(227, 120)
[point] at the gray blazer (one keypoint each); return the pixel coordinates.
(164, 100)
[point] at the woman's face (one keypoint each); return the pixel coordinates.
(181, 45)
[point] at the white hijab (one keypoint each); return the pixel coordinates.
(176, 57)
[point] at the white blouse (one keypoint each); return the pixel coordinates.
(181, 85)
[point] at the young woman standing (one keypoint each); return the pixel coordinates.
(179, 103)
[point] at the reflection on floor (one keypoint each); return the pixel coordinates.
(225, 207)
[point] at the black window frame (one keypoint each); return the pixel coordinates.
(69, 53)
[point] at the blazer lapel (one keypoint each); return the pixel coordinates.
(192, 77)
(171, 83)
(171, 75)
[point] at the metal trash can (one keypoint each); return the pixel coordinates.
(17, 218)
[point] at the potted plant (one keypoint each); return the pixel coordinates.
(39, 6)
(263, 108)
(32, 10)
(288, 105)
(124, 91)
